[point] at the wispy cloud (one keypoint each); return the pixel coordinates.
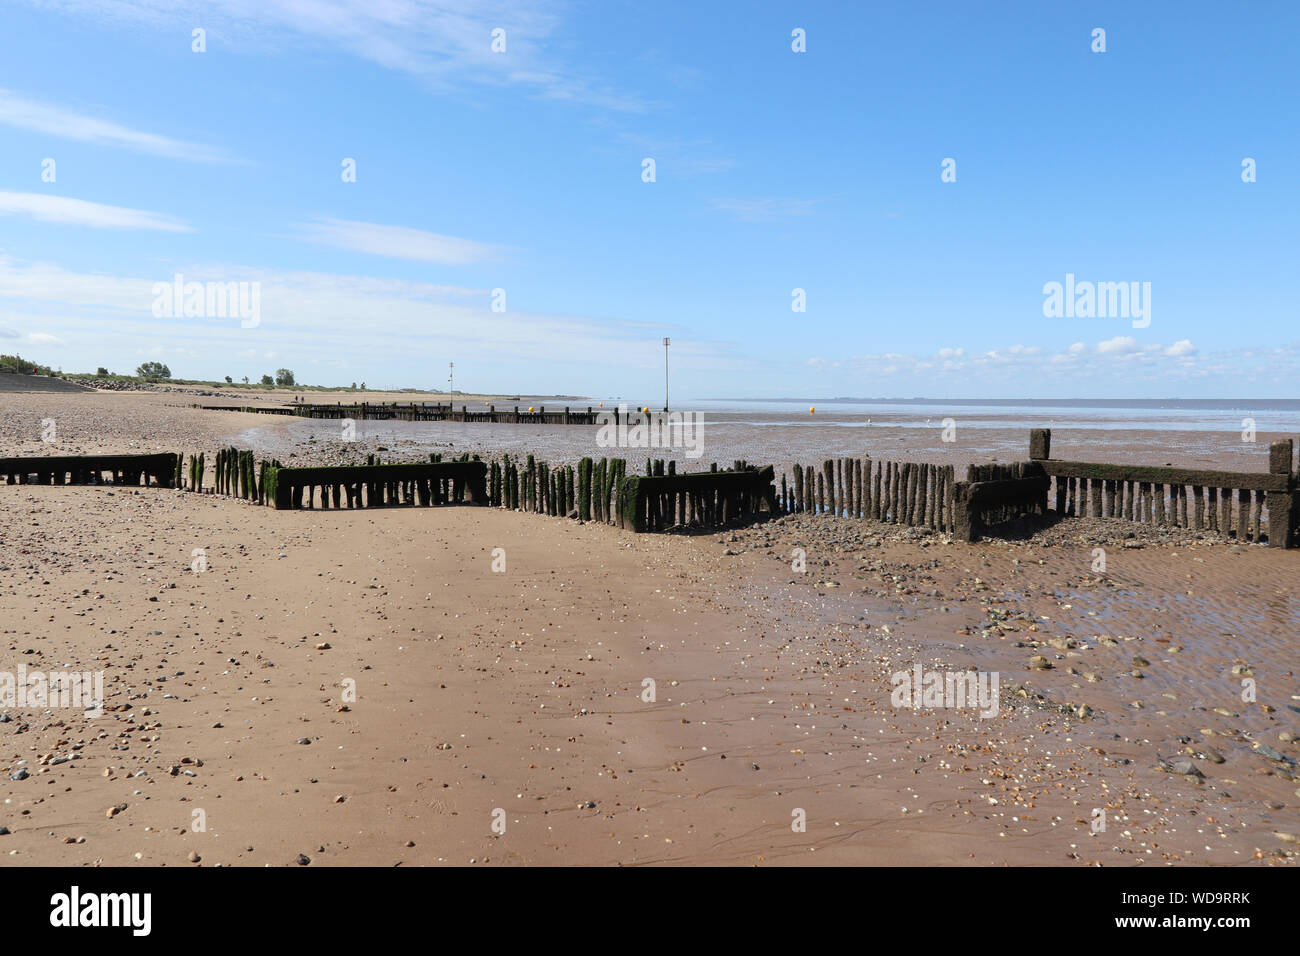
(312, 316)
(397, 242)
(763, 210)
(679, 157)
(447, 43)
(80, 212)
(1121, 359)
(53, 120)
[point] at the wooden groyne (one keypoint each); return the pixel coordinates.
(1247, 506)
(371, 486)
(659, 502)
(895, 492)
(435, 412)
(162, 469)
(1240, 504)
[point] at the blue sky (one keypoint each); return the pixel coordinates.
(775, 170)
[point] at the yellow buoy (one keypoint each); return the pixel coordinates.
(530, 408)
(646, 409)
(812, 409)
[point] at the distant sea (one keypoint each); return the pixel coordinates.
(1173, 414)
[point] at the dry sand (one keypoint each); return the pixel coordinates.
(522, 690)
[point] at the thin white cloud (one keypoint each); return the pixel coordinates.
(312, 315)
(397, 242)
(445, 43)
(53, 120)
(763, 210)
(1117, 359)
(80, 212)
(1119, 345)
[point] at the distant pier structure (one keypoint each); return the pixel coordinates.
(440, 412)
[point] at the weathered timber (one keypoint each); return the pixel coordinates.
(86, 469)
(289, 487)
(1252, 480)
(738, 494)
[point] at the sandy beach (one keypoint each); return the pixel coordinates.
(517, 699)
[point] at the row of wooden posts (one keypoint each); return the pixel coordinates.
(909, 493)
(1266, 503)
(162, 467)
(434, 412)
(590, 490)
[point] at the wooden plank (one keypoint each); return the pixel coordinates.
(1253, 481)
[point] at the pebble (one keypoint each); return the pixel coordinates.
(1265, 750)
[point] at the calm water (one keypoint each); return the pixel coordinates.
(1190, 433)
(1279, 415)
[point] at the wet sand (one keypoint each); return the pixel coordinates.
(522, 690)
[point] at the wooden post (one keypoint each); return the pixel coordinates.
(1040, 443)
(1283, 506)
(877, 496)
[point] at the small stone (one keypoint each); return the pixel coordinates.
(302, 859)
(194, 856)
(19, 774)
(304, 740)
(1265, 750)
